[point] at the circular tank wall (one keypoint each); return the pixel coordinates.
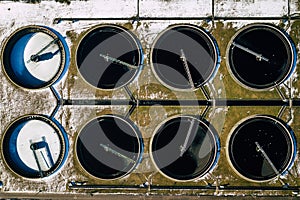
(261, 148)
(35, 146)
(109, 147)
(109, 57)
(184, 148)
(35, 57)
(261, 56)
(184, 57)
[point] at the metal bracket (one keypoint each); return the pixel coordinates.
(204, 91)
(282, 96)
(137, 17)
(133, 100)
(59, 101)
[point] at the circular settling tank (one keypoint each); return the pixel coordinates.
(109, 57)
(184, 57)
(109, 147)
(184, 148)
(261, 56)
(34, 146)
(35, 57)
(261, 148)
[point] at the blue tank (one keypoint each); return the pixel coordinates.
(35, 57)
(35, 146)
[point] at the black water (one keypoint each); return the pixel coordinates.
(200, 149)
(273, 139)
(114, 42)
(115, 134)
(199, 52)
(255, 73)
